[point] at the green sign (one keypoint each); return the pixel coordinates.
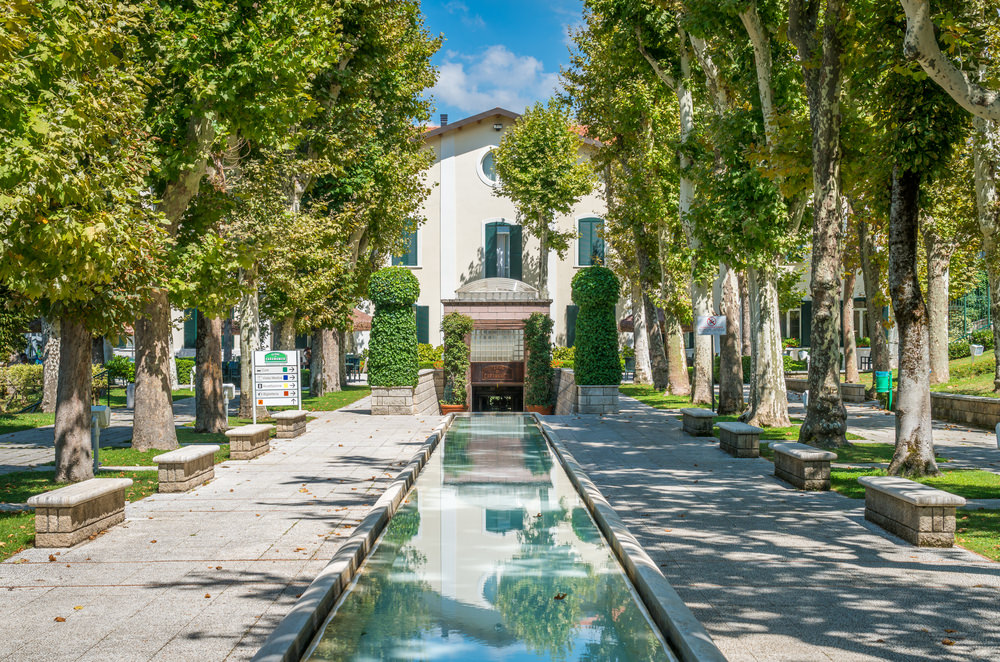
(275, 357)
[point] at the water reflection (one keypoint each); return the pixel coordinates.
(493, 557)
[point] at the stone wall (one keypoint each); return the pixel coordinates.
(597, 399)
(966, 409)
(392, 401)
(429, 392)
(564, 385)
(848, 392)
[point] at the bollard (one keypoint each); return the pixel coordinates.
(100, 417)
(130, 396)
(805, 399)
(228, 393)
(998, 435)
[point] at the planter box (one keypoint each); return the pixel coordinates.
(597, 399)
(393, 401)
(69, 515)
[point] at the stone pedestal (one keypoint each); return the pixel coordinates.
(803, 466)
(739, 439)
(597, 399)
(392, 401)
(289, 424)
(71, 514)
(184, 468)
(697, 422)
(248, 441)
(919, 514)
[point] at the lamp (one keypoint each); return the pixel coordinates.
(497, 126)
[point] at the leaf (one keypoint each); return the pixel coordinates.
(59, 619)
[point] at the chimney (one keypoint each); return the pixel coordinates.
(444, 119)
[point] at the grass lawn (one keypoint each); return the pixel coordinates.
(648, 395)
(979, 531)
(971, 484)
(968, 377)
(854, 453)
(18, 422)
(118, 399)
(128, 457)
(17, 530)
(332, 401)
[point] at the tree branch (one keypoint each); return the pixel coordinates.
(714, 79)
(762, 59)
(664, 77)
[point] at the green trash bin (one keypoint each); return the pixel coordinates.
(883, 381)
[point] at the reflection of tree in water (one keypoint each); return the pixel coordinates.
(386, 606)
(537, 457)
(456, 453)
(625, 633)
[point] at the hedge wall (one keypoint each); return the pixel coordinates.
(596, 291)
(392, 353)
(537, 331)
(456, 327)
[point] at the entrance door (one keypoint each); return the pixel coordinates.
(497, 398)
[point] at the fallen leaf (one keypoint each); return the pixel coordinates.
(152, 541)
(559, 596)
(78, 607)
(52, 557)
(951, 631)
(208, 595)
(218, 567)
(60, 619)
(947, 642)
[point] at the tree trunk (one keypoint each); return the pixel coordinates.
(768, 397)
(342, 359)
(730, 359)
(249, 319)
(914, 454)
(650, 272)
(154, 411)
(678, 381)
(745, 343)
(210, 406)
(871, 273)
(175, 379)
(701, 303)
(74, 460)
(986, 155)
(323, 371)
(640, 339)
(50, 364)
(543, 264)
(284, 334)
(939, 254)
(850, 343)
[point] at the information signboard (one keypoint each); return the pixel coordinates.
(276, 379)
(711, 325)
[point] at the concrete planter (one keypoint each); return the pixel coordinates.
(392, 401)
(597, 399)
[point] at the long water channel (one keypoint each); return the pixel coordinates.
(493, 556)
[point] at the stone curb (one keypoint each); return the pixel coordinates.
(686, 635)
(296, 631)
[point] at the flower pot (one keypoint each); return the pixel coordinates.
(452, 409)
(541, 410)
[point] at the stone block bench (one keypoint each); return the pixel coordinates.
(187, 467)
(71, 514)
(919, 514)
(697, 422)
(290, 423)
(248, 441)
(805, 467)
(739, 439)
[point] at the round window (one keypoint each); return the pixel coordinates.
(488, 167)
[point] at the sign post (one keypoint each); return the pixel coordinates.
(711, 325)
(276, 380)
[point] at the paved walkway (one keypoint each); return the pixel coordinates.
(207, 574)
(778, 574)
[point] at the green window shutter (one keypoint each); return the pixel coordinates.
(515, 252)
(585, 243)
(806, 320)
(409, 258)
(597, 241)
(302, 341)
(571, 313)
(190, 328)
(423, 323)
(490, 250)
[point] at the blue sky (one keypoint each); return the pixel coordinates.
(505, 53)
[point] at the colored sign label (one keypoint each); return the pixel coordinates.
(711, 325)
(276, 379)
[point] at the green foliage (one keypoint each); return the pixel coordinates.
(960, 348)
(563, 354)
(15, 315)
(864, 341)
(427, 353)
(790, 342)
(184, 370)
(20, 385)
(392, 355)
(596, 291)
(456, 327)
(120, 369)
(983, 337)
(537, 331)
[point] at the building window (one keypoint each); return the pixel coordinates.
(409, 258)
(590, 246)
(423, 315)
(502, 250)
(487, 167)
(494, 345)
(190, 328)
(571, 314)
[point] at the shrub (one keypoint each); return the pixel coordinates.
(120, 369)
(538, 390)
(959, 350)
(456, 357)
(596, 291)
(983, 337)
(429, 353)
(20, 385)
(392, 353)
(794, 365)
(863, 342)
(184, 370)
(790, 342)
(564, 354)
(628, 352)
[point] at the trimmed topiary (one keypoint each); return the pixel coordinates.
(538, 390)
(456, 356)
(392, 353)
(596, 291)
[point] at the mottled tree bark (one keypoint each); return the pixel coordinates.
(74, 461)
(730, 359)
(324, 372)
(745, 315)
(986, 156)
(210, 406)
(914, 454)
(342, 358)
(678, 381)
(640, 339)
(50, 364)
(939, 252)
(154, 411)
(850, 343)
(768, 396)
(249, 320)
(871, 272)
(701, 387)
(650, 272)
(284, 334)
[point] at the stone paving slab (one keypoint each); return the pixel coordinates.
(778, 574)
(207, 574)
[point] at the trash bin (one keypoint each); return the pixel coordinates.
(883, 381)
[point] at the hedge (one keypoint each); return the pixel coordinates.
(456, 357)
(392, 351)
(184, 370)
(596, 291)
(960, 348)
(120, 369)
(538, 390)
(20, 385)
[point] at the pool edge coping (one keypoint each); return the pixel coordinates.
(295, 632)
(684, 632)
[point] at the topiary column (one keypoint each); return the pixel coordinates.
(597, 369)
(456, 327)
(392, 352)
(538, 390)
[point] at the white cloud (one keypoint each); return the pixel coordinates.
(469, 20)
(494, 77)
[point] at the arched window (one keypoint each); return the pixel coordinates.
(590, 246)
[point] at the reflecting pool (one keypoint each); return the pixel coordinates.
(493, 556)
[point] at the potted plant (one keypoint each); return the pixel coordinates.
(538, 387)
(456, 362)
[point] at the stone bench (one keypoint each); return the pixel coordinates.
(805, 467)
(187, 467)
(290, 423)
(248, 441)
(71, 514)
(697, 422)
(919, 514)
(739, 439)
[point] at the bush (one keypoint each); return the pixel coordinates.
(959, 350)
(392, 352)
(120, 369)
(184, 370)
(863, 342)
(429, 353)
(596, 291)
(983, 337)
(20, 385)
(564, 354)
(790, 342)
(793, 365)
(306, 375)
(456, 357)
(538, 389)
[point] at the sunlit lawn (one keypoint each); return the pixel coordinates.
(118, 398)
(968, 377)
(853, 453)
(979, 531)
(128, 457)
(18, 422)
(969, 483)
(648, 395)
